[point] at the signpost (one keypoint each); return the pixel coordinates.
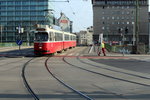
(19, 41)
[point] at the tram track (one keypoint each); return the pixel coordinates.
(87, 97)
(62, 82)
(109, 69)
(109, 75)
(26, 83)
(107, 91)
(65, 84)
(64, 59)
(33, 93)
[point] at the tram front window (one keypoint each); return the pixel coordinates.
(41, 37)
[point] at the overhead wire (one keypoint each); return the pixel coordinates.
(76, 18)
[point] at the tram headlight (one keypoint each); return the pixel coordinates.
(40, 47)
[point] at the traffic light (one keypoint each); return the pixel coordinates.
(126, 30)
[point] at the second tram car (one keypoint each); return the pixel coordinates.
(48, 41)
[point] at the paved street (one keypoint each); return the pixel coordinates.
(111, 77)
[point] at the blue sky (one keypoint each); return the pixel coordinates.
(78, 11)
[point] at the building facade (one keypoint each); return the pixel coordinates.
(25, 14)
(65, 23)
(85, 37)
(115, 18)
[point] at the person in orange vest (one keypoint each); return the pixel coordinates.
(103, 49)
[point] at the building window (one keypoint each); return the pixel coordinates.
(118, 18)
(10, 3)
(113, 17)
(18, 3)
(17, 8)
(128, 12)
(107, 27)
(2, 3)
(103, 28)
(122, 18)
(103, 17)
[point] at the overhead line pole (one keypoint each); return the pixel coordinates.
(137, 24)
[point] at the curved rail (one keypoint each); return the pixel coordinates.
(26, 83)
(68, 86)
(114, 70)
(109, 76)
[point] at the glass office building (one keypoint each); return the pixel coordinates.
(25, 14)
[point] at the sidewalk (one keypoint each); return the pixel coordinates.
(13, 48)
(142, 57)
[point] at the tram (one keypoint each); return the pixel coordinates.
(48, 40)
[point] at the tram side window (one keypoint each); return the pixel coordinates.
(74, 37)
(66, 37)
(40, 36)
(51, 35)
(58, 37)
(71, 37)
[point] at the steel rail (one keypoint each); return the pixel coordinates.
(139, 76)
(26, 82)
(148, 78)
(109, 76)
(91, 72)
(62, 82)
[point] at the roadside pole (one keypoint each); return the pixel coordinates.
(19, 41)
(123, 39)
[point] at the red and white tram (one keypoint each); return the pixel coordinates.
(48, 41)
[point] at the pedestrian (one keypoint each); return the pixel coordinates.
(102, 48)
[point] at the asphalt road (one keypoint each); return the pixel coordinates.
(100, 78)
(129, 64)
